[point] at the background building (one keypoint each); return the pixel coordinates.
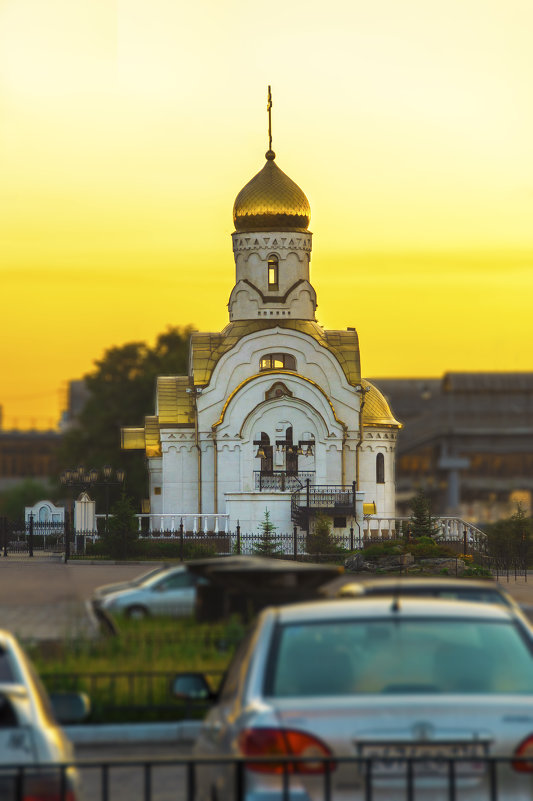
(467, 440)
(27, 455)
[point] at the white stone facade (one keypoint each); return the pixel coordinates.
(281, 406)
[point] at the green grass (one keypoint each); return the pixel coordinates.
(128, 677)
(161, 644)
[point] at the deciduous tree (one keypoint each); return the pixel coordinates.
(121, 392)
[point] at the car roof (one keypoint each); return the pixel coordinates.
(433, 581)
(7, 640)
(431, 585)
(369, 607)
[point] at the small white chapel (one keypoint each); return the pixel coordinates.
(274, 414)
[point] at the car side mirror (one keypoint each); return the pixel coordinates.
(70, 707)
(192, 687)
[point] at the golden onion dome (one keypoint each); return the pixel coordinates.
(271, 201)
(376, 411)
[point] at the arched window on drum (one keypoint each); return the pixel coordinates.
(273, 273)
(380, 469)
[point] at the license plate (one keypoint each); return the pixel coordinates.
(432, 758)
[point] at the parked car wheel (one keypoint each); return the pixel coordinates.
(137, 612)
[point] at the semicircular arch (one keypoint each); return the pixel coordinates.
(264, 375)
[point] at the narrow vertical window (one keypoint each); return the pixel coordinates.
(273, 272)
(380, 469)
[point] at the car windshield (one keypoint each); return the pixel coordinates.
(400, 656)
(147, 576)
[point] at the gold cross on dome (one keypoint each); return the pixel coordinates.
(269, 107)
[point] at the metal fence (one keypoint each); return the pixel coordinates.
(22, 538)
(284, 777)
(131, 696)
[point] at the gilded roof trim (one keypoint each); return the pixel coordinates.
(275, 372)
(174, 404)
(208, 348)
(153, 439)
(376, 409)
(132, 439)
(147, 438)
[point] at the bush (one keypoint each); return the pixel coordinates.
(383, 549)
(121, 538)
(157, 549)
(320, 540)
(429, 550)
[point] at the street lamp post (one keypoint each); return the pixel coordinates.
(85, 479)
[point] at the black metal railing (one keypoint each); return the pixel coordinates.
(281, 480)
(31, 537)
(449, 777)
(332, 498)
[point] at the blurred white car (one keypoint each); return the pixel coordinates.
(379, 696)
(30, 735)
(170, 591)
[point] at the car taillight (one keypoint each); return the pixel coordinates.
(285, 742)
(525, 749)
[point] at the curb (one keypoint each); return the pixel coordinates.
(124, 733)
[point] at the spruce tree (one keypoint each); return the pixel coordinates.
(421, 522)
(267, 544)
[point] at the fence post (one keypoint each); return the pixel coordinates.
(351, 537)
(465, 542)
(181, 539)
(3, 529)
(67, 535)
(295, 542)
(238, 539)
(30, 538)
(308, 493)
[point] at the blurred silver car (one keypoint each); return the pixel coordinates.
(30, 735)
(382, 681)
(170, 591)
(118, 586)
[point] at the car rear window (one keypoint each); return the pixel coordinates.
(400, 656)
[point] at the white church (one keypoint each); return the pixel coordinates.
(274, 413)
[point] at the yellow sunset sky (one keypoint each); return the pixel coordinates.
(128, 127)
